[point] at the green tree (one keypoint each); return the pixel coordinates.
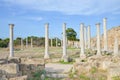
(71, 34)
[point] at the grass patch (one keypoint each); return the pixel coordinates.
(116, 78)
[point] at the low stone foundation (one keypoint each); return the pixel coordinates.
(19, 68)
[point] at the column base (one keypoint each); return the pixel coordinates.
(46, 56)
(64, 58)
(82, 56)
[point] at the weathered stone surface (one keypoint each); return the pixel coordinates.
(19, 78)
(10, 68)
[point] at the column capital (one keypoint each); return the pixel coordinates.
(97, 24)
(11, 25)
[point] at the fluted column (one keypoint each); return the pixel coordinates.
(89, 37)
(98, 39)
(46, 56)
(82, 42)
(11, 41)
(105, 34)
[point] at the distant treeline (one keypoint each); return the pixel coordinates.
(37, 41)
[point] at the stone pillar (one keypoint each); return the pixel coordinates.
(46, 56)
(11, 41)
(105, 34)
(64, 56)
(85, 37)
(51, 42)
(116, 51)
(89, 38)
(61, 43)
(56, 42)
(26, 42)
(82, 42)
(98, 39)
(21, 44)
(31, 42)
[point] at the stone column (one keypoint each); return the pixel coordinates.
(61, 43)
(56, 42)
(31, 42)
(64, 56)
(89, 38)
(105, 34)
(26, 42)
(21, 44)
(82, 42)
(85, 37)
(116, 51)
(46, 56)
(51, 42)
(11, 41)
(98, 39)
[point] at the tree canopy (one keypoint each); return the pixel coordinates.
(71, 34)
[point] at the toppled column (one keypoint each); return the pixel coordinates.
(11, 41)
(105, 34)
(82, 42)
(46, 56)
(98, 39)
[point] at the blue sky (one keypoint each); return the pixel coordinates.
(29, 16)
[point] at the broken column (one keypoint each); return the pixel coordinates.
(46, 56)
(64, 56)
(98, 39)
(116, 51)
(89, 37)
(105, 34)
(11, 41)
(82, 42)
(26, 42)
(56, 42)
(51, 42)
(31, 42)
(21, 44)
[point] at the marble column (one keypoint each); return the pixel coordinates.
(31, 42)
(21, 44)
(85, 37)
(82, 42)
(11, 41)
(46, 56)
(64, 56)
(105, 34)
(116, 46)
(98, 39)
(51, 42)
(89, 37)
(26, 42)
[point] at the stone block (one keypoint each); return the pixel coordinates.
(19, 78)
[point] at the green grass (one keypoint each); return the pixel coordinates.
(116, 78)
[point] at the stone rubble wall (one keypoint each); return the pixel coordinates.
(19, 68)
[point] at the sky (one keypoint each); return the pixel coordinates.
(30, 16)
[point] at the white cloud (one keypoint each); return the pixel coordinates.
(71, 7)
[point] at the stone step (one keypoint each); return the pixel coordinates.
(57, 75)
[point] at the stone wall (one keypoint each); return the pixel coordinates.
(19, 68)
